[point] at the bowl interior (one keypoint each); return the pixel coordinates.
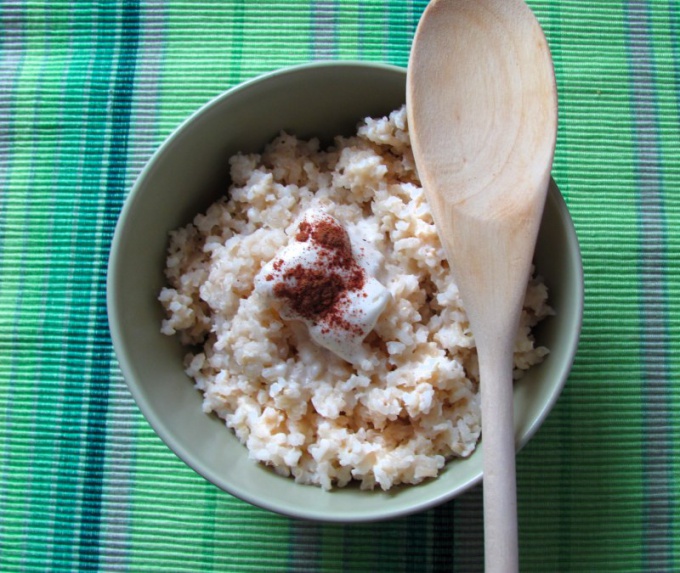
(186, 174)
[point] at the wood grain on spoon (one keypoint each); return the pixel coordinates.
(482, 110)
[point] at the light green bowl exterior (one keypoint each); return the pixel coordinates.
(184, 176)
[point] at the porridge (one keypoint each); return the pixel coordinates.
(320, 317)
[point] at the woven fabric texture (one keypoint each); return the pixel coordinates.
(89, 89)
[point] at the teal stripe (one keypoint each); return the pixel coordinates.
(98, 398)
(71, 505)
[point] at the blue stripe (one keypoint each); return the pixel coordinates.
(324, 20)
(657, 448)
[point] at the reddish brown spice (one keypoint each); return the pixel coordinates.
(356, 279)
(318, 294)
(303, 232)
(331, 236)
(337, 320)
(314, 291)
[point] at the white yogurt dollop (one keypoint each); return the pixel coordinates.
(319, 279)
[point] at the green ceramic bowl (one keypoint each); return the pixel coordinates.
(184, 176)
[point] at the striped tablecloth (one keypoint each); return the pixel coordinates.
(88, 90)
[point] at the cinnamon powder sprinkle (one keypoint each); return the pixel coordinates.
(319, 293)
(314, 292)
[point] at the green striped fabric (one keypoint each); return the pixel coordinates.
(88, 90)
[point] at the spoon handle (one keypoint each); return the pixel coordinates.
(498, 442)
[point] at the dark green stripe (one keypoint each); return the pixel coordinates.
(469, 531)
(98, 397)
(416, 544)
(359, 548)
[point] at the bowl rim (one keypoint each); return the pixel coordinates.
(164, 432)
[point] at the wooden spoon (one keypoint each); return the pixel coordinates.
(482, 112)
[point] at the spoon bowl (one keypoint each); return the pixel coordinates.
(482, 110)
